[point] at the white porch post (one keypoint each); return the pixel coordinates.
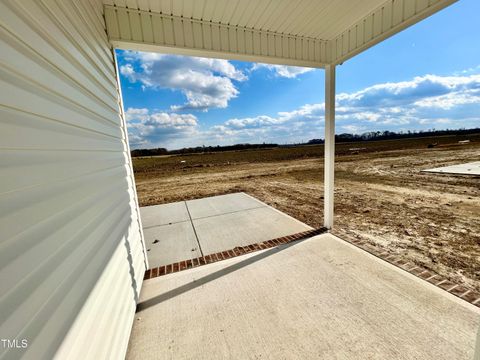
(329, 145)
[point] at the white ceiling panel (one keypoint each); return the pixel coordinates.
(323, 19)
(296, 29)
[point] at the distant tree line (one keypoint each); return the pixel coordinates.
(391, 135)
(149, 152)
(341, 138)
(200, 149)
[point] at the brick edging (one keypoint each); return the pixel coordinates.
(460, 291)
(227, 254)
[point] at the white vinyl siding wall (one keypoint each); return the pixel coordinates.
(71, 253)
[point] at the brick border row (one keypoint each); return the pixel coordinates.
(460, 291)
(228, 254)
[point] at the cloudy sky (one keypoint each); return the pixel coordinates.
(425, 77)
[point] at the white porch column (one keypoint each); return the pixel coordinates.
(329, 145)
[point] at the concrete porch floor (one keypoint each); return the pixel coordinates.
(316, 298)
(191, 229)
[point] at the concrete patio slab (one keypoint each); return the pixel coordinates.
(472, 168)
(222, 204)
(219, 223)
(242, 228)
(163, 214)
(167, 244)
(318, 298)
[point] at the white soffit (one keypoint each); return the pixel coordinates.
(302, 32)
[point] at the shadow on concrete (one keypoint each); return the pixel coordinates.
(213, 276)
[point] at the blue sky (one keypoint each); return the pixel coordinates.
(428, 76)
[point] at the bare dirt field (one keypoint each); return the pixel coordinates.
(380, 194)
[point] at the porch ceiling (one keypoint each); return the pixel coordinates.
(302, 32)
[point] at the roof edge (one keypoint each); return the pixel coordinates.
(387, 20)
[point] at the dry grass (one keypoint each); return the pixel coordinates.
(430, 219)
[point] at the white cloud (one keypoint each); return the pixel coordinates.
(128, 71)
(255, 122)
(148, 128)
(471, 70)
(133, 114)
(428, 100)
(429, 90)
(449, 101)
(283, 70)
(353, 129)
(287, 126)
(206, 83)
(423, 102)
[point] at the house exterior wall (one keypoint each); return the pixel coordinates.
(71, 250)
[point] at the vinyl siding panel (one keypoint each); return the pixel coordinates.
(71, 249)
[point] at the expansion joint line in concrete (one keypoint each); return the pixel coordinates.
(193, 227)
(230, 212)
(204, 217)
(228, 254)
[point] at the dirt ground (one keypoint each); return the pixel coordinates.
(380, 194)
